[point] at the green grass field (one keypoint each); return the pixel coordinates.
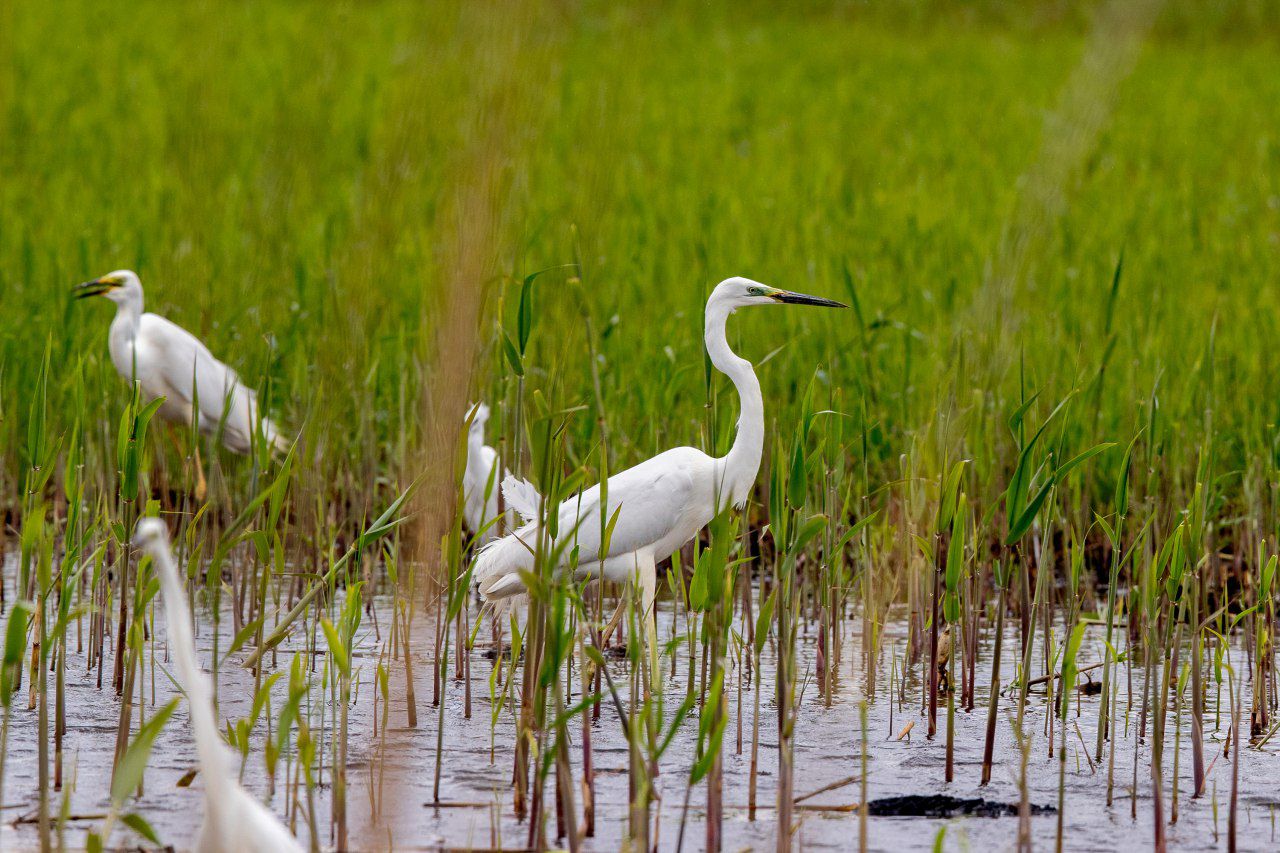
(275, 173)
(346, 201)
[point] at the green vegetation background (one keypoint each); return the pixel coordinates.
(276, 172)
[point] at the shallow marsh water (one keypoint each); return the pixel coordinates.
(475, 810)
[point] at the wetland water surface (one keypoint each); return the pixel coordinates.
(475, 792)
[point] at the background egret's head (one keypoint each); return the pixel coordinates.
(118, 286)
(479, 414)
(738, 292)
(149, 532)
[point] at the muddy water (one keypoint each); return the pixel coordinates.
(828, 752)
(475, 792)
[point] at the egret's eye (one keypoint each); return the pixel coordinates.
(755, 291)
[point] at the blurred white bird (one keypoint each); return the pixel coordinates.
(661, 503)
(170, 362)
(234, 821)
(482, 480)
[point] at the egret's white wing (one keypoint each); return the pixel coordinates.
(186, 369)
(660, 502)
(185, 365)
(651, 500)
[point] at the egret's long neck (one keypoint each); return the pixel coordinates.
(738, 469)
(124, 334)
(129, 312)
(475, 444)
(193, 679)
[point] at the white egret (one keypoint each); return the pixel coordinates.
(482, 480)
(234, 821)
(661, 503)
(168, 361)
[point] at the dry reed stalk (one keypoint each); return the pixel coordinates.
(473, 219)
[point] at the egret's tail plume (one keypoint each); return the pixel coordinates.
(522, 496)
(498, 564)
(496, 571)
(278, 440)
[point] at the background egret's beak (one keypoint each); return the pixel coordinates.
(97, 287)
(792, 298)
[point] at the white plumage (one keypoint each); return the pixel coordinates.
(170, 362)
(661, 503)
(234, 821)
(481, 480)
(522, 497)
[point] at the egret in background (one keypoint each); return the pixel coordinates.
(234, 821)
(168, 361)
(481, 481)
(661, 503)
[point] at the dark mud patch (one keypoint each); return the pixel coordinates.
(941, 805)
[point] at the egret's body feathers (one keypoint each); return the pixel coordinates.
(661, 504)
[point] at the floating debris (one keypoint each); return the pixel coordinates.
(944, 805)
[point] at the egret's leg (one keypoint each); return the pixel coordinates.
(202, 488)
(172, 435)
(608, 629)
(175, 438)
(647, 569)
(614, 620)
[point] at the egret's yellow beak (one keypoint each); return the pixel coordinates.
(792, 298)
(97, 287)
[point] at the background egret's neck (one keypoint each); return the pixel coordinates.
(475, 444)
(738, 469)
(195, 683)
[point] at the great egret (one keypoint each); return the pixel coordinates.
(482, 479)
(234, 821)
(170, 362)
(661, 503)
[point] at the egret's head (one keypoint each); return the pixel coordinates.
(738, 292)
(479, 415)
(118, 286)
(150, 532)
